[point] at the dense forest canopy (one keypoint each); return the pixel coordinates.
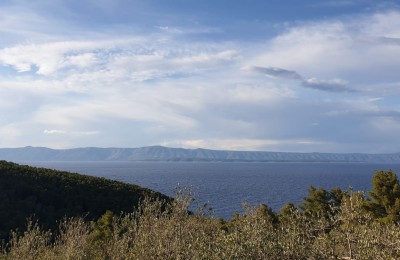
(49, 195)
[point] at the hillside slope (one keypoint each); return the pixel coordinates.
(50, 195)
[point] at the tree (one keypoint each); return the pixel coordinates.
(103, 227)
(266, 213)
(385, 196)
(321, 203)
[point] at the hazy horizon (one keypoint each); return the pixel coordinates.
(192, 148)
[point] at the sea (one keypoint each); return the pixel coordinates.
(222, 188)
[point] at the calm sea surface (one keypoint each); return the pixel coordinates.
(225, 186)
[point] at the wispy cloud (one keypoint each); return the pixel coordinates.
(54, 132)
(339, 3)
(241, 144)
(278, 73)
(116, 85)
(335, 85)
(51, 57)
(390, 40)
(355, 49)
(74, 133)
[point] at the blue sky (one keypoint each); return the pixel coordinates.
(304, 76)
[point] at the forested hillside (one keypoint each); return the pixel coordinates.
(49, 195)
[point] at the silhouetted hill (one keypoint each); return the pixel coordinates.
(50, 195)
(159, 153)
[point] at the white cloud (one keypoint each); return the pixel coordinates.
(82, 60)
(243, 144)
(381, 25)
(53, 56)
(75, 133)
(350, 48)
(254, 93)
(166, 88)
(54, 132)
(131, 59)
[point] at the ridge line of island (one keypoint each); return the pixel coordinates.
(160, 153)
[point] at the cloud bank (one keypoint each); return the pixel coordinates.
(324, 85)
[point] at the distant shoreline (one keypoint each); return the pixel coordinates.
(206, 161)
(165, 154)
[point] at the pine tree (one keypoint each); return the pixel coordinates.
(385, 196)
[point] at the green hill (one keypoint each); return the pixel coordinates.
(51, 195)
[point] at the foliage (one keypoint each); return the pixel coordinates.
(327, 225)
(49, 196)
(157, 232)
(322, 203)
(385, 196)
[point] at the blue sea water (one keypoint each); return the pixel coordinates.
(224, 186)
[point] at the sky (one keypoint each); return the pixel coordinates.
(267, 75)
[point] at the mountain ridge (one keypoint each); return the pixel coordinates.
(161, 153)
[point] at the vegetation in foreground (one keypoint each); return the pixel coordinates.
(331, 224)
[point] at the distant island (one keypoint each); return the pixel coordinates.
(160, 153)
